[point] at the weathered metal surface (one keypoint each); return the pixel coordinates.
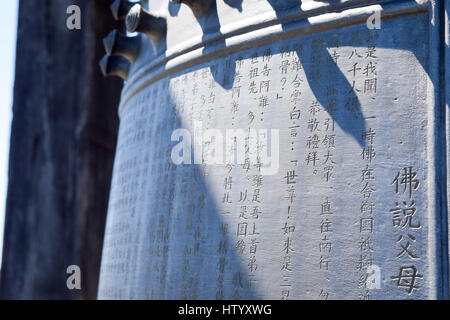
(343, 200)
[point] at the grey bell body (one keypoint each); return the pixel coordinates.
(280, 150)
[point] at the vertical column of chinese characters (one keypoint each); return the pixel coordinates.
(327, 144)
(227, 201)
(163, 235)
(143, 122)
(406, 224)
(250, 197)
(260, 71)
(211, 99)
(189, 113)
(151, 291)
(292, 82)
(264, 105)
(368, 60)
(234, 109)
(132, 187)
(227, 207)
(182, 93)
(328, 138)
(206, 100)
(192, 82)
(325, 244)
(179, 95)
(146, 112)
(242, 226)
(158, 246)
(249, 202)
(187, 253)
(313, 128)
(236, 89)
(265, 71)
(321, 139)
(366, 219)
(193, 108)
(221, 263)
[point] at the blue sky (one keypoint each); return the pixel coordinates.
(8, 27)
